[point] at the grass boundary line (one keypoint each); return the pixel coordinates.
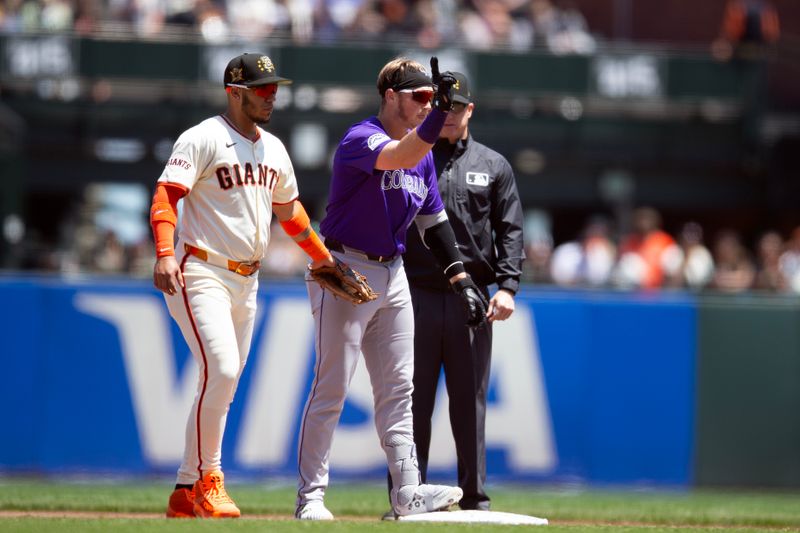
(99, 515)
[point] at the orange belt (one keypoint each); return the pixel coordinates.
(239, 267)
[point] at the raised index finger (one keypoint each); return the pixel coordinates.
(435, 68)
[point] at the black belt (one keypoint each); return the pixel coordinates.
(336, 246)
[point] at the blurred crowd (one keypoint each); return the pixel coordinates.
(478, 24)
(555, 25)
(647, 257)
(638, 253)
(111, 236)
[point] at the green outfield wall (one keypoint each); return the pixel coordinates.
(748, 392)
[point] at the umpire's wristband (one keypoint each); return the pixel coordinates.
(432, 126)
(454, 269)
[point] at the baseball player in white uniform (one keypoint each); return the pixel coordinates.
(232, 175)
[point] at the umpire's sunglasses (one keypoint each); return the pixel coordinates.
(422, 96)
(263, 91)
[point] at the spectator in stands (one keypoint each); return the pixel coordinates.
(697, 266)
(399, 20)
(439, 21)
(257, 19)
(789, 261)
(283, 258)
(734, 270)
(333, 18)
(768, 271)
(648, 255)
(109, 255)
(22, 16)
(148, 17)
(492, 26)
(544, 18)
(538, 246)
(429, 30)
(210, 21)
(301, 19)
(587, 261)
(56, 15)
(392, 20)
(88, 13)
(369, 22)
(748, 26)
(10, 16)
(573, 35)
(140, 258)
(119, 13)
(561, 28)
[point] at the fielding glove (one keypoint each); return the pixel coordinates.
(344, 282)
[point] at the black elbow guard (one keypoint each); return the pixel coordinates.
(441, 241)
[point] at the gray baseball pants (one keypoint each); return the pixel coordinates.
(383, 330)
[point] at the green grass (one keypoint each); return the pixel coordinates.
(359, 507)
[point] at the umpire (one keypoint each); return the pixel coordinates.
(480, 195)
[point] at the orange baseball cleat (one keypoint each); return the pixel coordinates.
(210, 498)
(181, 504)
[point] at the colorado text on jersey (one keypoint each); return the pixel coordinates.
(398, 179)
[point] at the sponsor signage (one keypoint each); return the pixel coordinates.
(581, 389)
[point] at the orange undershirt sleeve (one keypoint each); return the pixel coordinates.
(164, 216)
(299, 228)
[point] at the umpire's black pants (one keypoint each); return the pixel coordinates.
(442, 340)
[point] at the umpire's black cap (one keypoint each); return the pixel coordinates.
(251, 70)
(461, 89)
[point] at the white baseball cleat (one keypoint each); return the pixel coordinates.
(314, 510)
(417, 499)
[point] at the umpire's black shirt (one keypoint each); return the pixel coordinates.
(480, 195)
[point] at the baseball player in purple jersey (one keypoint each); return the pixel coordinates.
(383, 180)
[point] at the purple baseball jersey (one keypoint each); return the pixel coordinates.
(370, 209)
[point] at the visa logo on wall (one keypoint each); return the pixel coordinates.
(274, 387)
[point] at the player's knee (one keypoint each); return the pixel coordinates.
(229, 373)
(224, 376)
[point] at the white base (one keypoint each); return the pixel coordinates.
(476, 517)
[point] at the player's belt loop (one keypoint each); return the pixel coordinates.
(336, 246)
(243, 269)
(197, 252)
(239, 267)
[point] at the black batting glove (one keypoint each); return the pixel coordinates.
(474, 301)
(443, 99)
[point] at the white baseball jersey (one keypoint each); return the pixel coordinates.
(232, 182)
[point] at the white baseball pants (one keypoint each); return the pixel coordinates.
(215, 311)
